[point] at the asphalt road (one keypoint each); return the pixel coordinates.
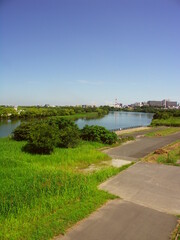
(141, 147)
(122, 220)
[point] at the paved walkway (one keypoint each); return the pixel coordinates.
(122, 220)
(151, 199)
(155, 186)
(141, 147)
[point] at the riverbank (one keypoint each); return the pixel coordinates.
(158, 131)
(132, 130)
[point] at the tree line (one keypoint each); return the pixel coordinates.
(40, 112)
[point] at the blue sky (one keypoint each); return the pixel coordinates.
(69, 52)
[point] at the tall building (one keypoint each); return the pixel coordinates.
(169, 104)
(164, 103)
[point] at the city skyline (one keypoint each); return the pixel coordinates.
(76, 52)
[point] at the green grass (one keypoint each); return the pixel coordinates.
(163, 132)
(173, 121)
(89, 115)
(41, 196)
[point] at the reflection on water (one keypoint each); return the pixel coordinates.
(7, 126)
(114, 120)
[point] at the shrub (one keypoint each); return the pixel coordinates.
(42, 139)
(22, 132)
(68, 137)
(162, 115)
(98, 134)
(60, 122)
(43, 136)
(68, 132)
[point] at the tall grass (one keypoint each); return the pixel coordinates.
(41, 196)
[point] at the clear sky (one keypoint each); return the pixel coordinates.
(89, 51)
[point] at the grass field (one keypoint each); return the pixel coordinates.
(42, 196)
(173, 121)
(163, 132)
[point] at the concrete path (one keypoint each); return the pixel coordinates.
(141, 147)
(152, 185)
(151, 198)
(122, 220)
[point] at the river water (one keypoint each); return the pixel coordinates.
(114, 120)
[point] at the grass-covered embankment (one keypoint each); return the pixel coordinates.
(170, 122)
(42, 195)
(169, 155)
(163, 132)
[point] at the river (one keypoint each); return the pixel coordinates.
(114, 120)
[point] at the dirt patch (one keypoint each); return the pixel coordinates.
(173, 146)
(152, 158)
(160, 151)
(158, 134)
(132, 130)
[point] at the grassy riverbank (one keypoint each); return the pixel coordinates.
(170, 122)
(41, 196)
(164, 132)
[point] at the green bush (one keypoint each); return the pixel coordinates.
(98, 134)
(22, 132)
(42, 139)
(44, 135)
(61, 122)
(68, 132)
(68, 137)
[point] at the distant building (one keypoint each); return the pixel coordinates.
(137, 104)
(169, 104)
(145, 104)
(88, 106)
(118, 105)
(155, 103)
(164, 103)
(47, 105)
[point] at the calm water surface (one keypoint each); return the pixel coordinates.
(114, 120)
(7, 126)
